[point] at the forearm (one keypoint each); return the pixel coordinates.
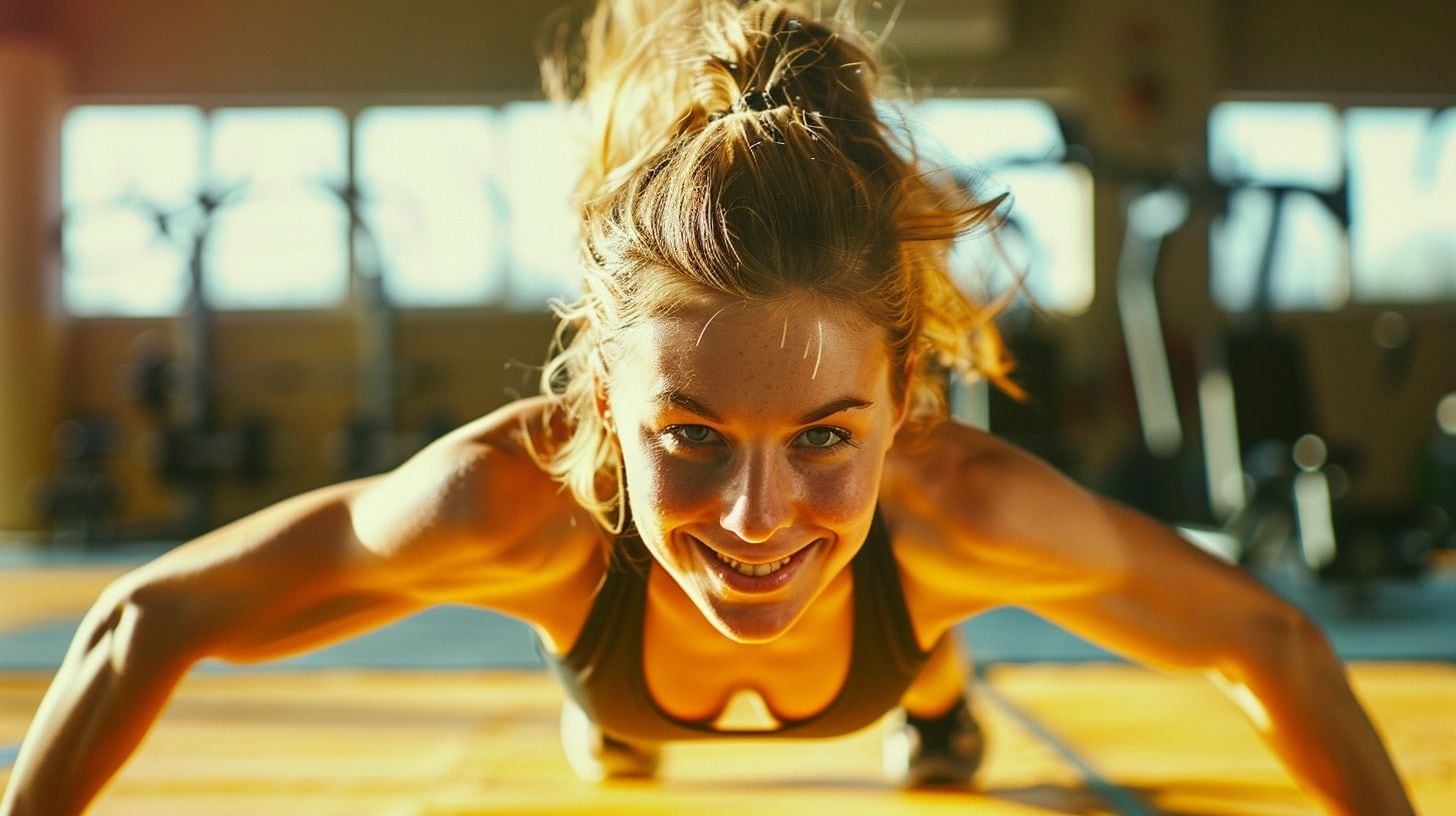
(1304, 708)
(109, 690)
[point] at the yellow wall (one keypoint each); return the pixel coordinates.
(32, 92)
(299, 370)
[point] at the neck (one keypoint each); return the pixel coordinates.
(676, 613)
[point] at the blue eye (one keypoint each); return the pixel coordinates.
(694, 434)
(823, 438)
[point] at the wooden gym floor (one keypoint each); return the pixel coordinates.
(375, 730)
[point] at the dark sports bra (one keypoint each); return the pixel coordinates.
(603, 670)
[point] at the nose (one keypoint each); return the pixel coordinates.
(758, 501)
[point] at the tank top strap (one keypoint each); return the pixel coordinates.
(887, 655)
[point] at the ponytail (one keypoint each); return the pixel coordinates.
(735, 151)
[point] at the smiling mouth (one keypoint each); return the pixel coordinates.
(753, 570)
(756, 578)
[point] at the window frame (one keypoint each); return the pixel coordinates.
(352, 106)
(1352, 309)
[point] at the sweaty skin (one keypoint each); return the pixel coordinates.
(730, 446)
(757, 437)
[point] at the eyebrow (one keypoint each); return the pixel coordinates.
(678, 399)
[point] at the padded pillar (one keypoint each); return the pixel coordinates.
(32, 98)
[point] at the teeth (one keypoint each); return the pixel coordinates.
(754, 570)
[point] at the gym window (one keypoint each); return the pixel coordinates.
(1363, 200)
(141, 183)
(451, 206)
(544, 158)
(469, 205)
(125, 170)
(279, 238)
(430, 203)
(996, 145)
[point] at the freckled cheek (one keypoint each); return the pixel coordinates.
(667, 488)
(840, 494)
(686, 491)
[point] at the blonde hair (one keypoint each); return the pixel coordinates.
(735, 153)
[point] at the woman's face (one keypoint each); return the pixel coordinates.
(753, 438)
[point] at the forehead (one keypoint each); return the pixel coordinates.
(752, 357)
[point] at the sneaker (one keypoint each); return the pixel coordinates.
(597, 757)
(936, 751)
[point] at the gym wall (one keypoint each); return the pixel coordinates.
(354, 52)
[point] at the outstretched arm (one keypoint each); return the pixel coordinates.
(1178, 607)
(453, 524)
(1134, 586)
(149, 627)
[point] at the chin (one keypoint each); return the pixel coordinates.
(757, 623)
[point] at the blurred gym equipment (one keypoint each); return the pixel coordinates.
(1036, 422)
(1161, 472)
(1295, 511)
(371, 440)
(1436, 477)
(82, 498)
(177, 388)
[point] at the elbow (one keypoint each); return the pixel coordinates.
(1288, 631)
(140, 627)
(1277, 640)
(1278, 650)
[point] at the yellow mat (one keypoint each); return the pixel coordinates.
(40, 594)
(484, 742)
(1183, 748)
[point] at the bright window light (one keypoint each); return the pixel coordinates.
(1403, 187)
(1309, 263)
(461, 205)
(1401, 242)
(1257, 145)
(124, 168)
(118, 263)
(149, 153)
(1016, 145)
(1276, 143)
(429, 181)
(543, 159)
(991, 131)
(280, 240)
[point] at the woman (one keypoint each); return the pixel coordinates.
(740, 507)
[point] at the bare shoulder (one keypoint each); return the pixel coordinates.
(948, 459)
(977, 523)
(475, 512)
(978, 480)
(1004, 524)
